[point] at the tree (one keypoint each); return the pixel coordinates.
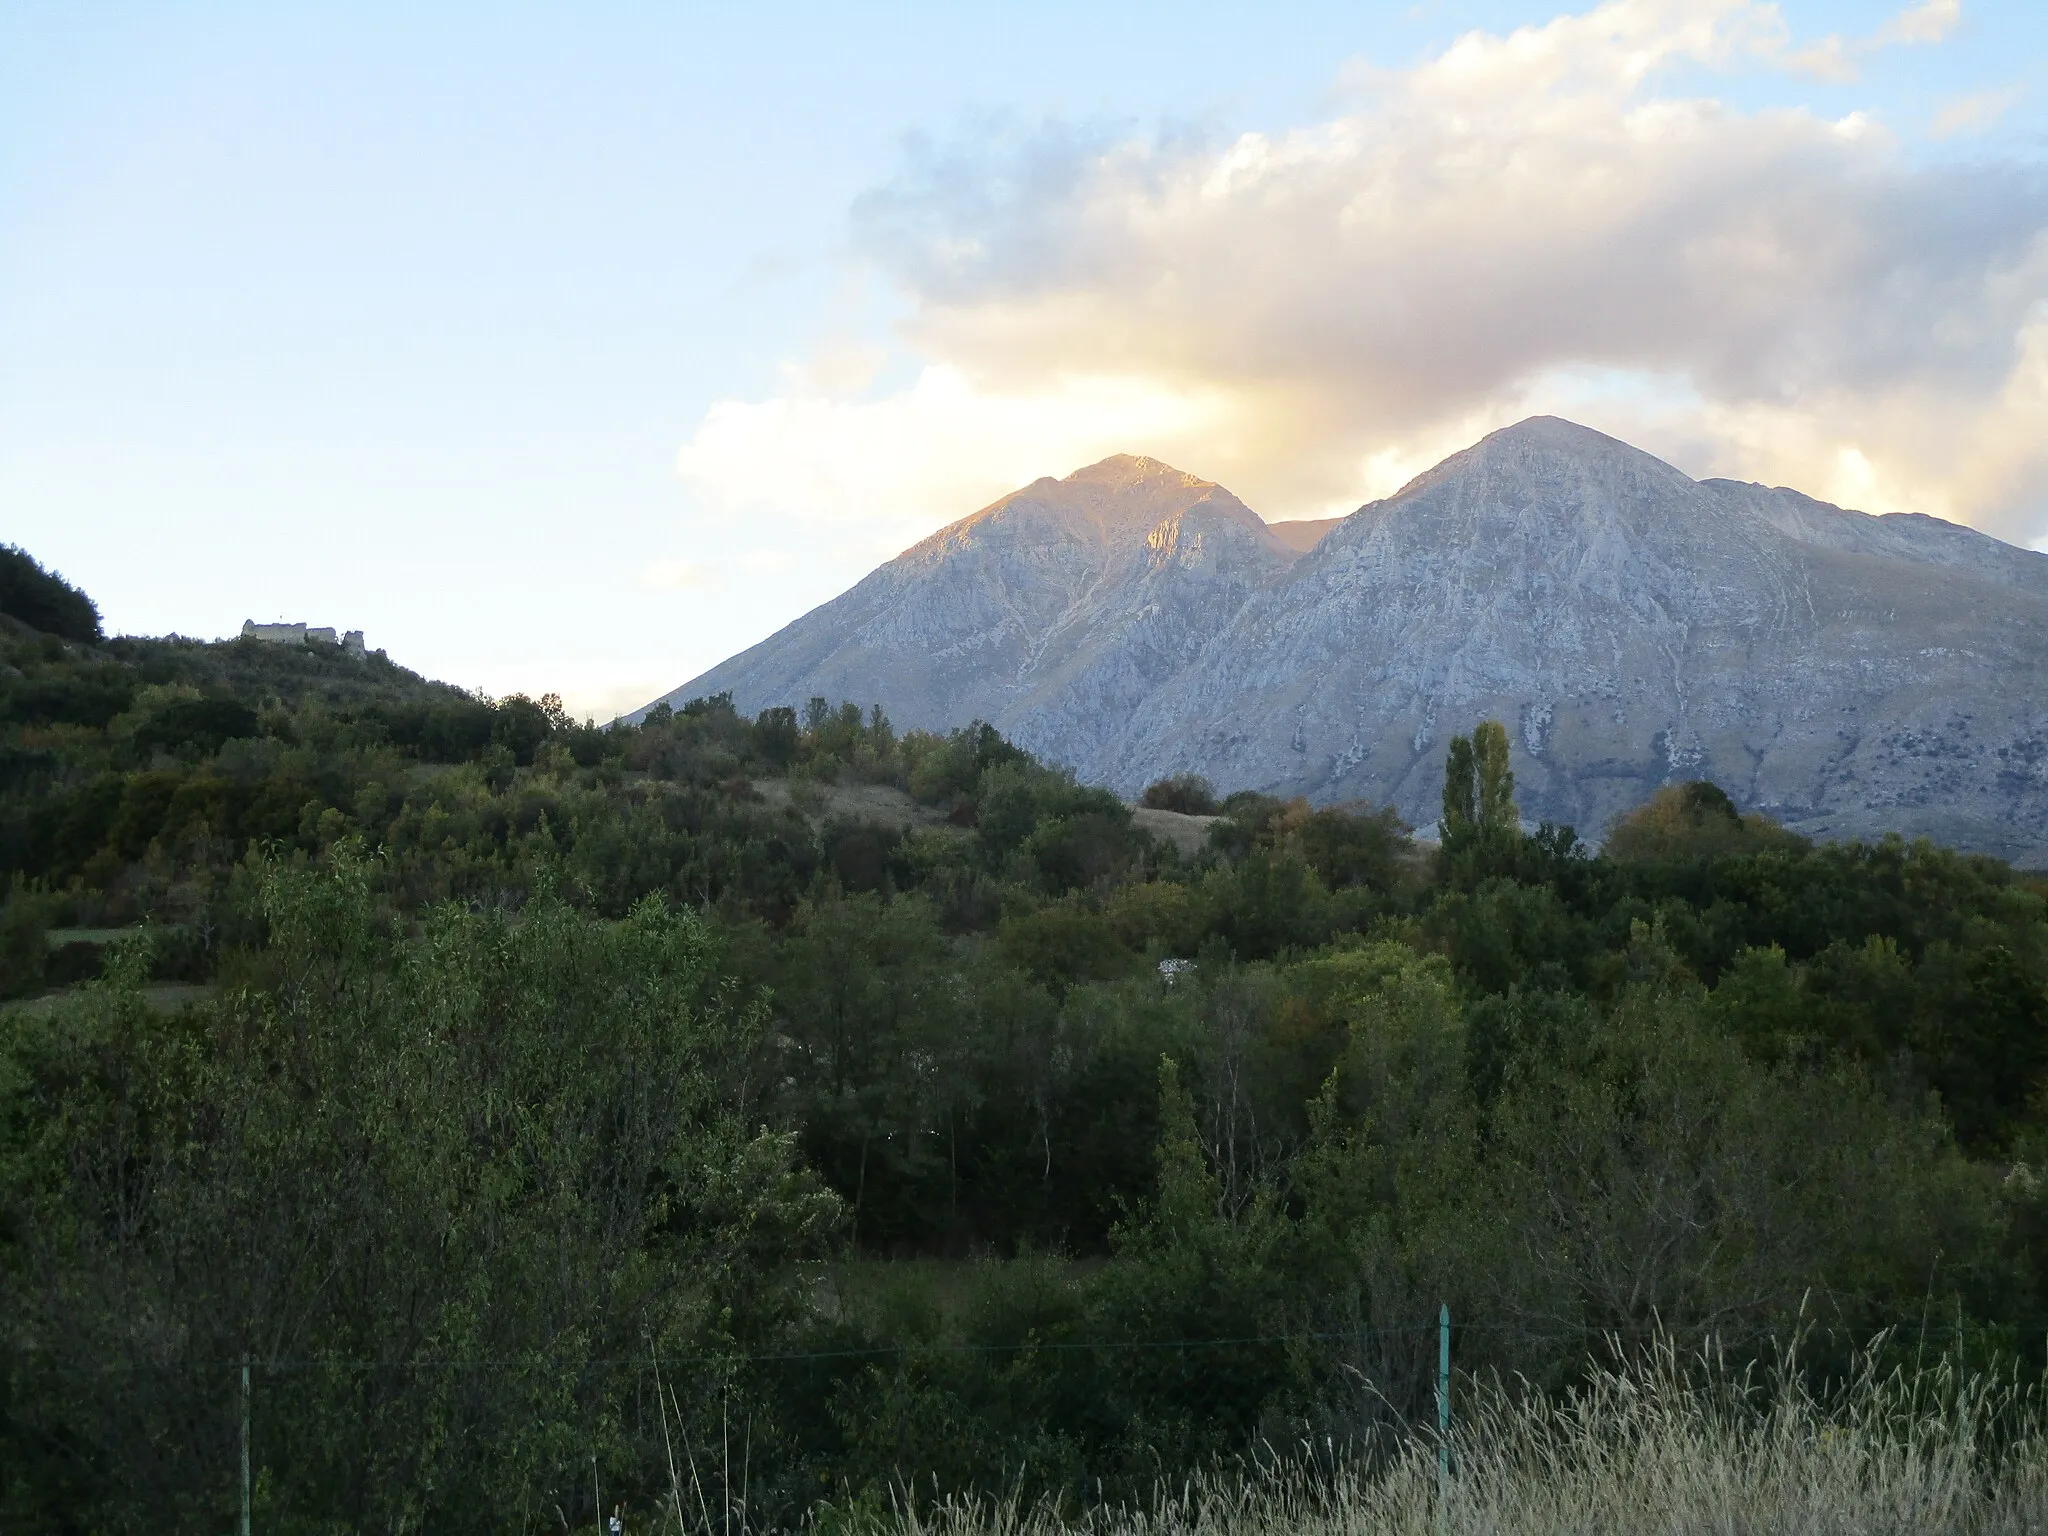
(1461, 800)
(1691, 821)
(1188, 793)
(1497, 809)
(44, 600)
(1649, 1177)
(498, 1156)
(1479, 787)
(24, 951)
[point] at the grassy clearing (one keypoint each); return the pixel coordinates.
(1679, 1448)
(164, 997)
(57, 938)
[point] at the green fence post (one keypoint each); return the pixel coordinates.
(1443, 1400)
(245, 1445)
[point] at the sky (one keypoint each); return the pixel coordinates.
(575, 348)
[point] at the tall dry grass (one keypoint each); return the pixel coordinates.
(1676, 1448)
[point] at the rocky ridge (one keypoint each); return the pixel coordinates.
(1848, 674)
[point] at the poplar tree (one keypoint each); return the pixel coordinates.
(1479, 787)
(1497, 809)
(1461, 797)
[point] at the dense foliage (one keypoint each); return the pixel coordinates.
(43, 600)
(528, 1102)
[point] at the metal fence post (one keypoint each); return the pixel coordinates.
(245, 1445)
(1443, 1402)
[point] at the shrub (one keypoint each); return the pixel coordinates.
(1691, 821)
(1188, 793)
(201, 723)
(24, 950)
(63, 699)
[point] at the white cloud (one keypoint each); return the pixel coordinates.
(602, 695)
(1520, 223)
(1980, 109)
(675, 576)
(1834, 57)
(1929, 22)
(883, 472)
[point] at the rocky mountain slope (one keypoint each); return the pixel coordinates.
(1846, 673)
(1063, 605)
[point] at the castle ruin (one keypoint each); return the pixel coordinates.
(300, 634)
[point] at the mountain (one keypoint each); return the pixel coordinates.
(1848, 674)
(1063, 605)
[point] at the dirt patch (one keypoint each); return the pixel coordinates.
(887, 806)
(1190, 834)
(882, 804)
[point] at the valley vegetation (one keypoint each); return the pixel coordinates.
(799, 1116)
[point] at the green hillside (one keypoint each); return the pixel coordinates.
(843, 1111)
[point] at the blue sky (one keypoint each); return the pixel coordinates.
(576, 348)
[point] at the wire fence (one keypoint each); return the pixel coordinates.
(240, 1384)
(2011, 1335)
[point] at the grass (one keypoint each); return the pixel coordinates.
(57, 938)
(164, 997)
(1676, 1448)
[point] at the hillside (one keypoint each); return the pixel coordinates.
(136, 773)
(528, 1103)
(1848, 674)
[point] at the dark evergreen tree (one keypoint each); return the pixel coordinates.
(44, 600)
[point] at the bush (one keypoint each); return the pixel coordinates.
(1188, 793)
(63, 699)
(486, 1141)
(1691, 821)
(24, 949)
(201, 723)
(522, 725)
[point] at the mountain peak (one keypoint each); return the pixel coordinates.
(1124, 469)
(1540, 455)
(1554, 433)
(1126, 501)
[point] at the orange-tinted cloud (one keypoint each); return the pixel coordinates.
(1520, 223)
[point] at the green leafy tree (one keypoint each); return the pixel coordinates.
(1648, 1177)
(24, 950)
(44, 600)
(1192, 1271)
(1496, 780)
(1188, 793)
(1479, 787)
(442, 1188)
(1694, 820)
(1386, 1179)
(1461, 793)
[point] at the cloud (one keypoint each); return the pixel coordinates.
(882, 472)
(1926, 23)
(598, 692)
(1522, 222)
(675, 576)
(1978, 110)
(1834, 57)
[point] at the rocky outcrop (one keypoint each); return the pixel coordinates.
(1848, 674)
